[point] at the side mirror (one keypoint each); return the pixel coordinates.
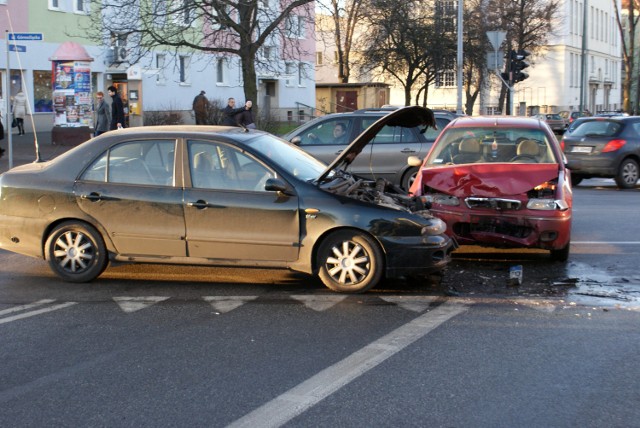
(414, 161)
(296, 141)
(276, 185)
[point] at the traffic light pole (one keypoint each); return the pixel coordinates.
(509, 95)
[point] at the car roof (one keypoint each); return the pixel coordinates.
(496, 121)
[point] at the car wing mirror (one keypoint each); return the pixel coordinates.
(277, 185)
(414, 161)
(296, 140)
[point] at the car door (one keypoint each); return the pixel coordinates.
(228, 213)
(387, 154)
(130, 192)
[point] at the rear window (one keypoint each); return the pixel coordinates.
(597, 128)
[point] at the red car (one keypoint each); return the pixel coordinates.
(499, 182)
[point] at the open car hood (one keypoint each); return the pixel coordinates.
(487, 179)
(407, 117)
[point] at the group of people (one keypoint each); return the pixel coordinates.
(108, 119)
(241, 116)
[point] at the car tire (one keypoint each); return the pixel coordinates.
(409, 177)
(627, 175)
(561, 255)
(76, 252)
(575, 180)
(349, 262)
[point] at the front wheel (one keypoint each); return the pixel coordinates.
(409, 177)
(76, 252)
(349, 262)
(575, 179)
(627, 175)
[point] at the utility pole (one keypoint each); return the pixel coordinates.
(459, 58)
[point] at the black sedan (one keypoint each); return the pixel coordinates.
(605, 147)
(219, 196)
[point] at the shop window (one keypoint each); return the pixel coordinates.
(42, 101)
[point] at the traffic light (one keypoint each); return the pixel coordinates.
(518, 64)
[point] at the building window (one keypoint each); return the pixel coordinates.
(301, 74)
(54, 4)
(220, 73)
(318, 58)
(294, 26)
(447, 76)
(42, 91)
(81, 6)
(290, 69)
(185, 61)
(160, 65)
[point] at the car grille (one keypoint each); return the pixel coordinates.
(492, 203)
(466, 230)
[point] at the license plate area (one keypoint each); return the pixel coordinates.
(581, 149)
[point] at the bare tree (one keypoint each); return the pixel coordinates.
(403, 42)
(344, 17)
(231, 28)
(476, 45)
(627, 29)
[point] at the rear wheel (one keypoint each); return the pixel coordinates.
(349, 262)
(575, 179)
(409, 177)
(76, 252)
(627, 175)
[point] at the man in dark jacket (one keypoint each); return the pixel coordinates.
(229, 113)
(117, 109)
(245, 117)
(201, 108)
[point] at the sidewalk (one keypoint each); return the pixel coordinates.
(24, 149)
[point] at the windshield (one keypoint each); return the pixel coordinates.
(597, 128)
(480, 145)
(290, 158)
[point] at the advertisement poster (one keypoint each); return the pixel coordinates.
(72, 101)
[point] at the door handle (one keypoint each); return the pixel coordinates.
(407, 150)
(199, 204)
(95, 197)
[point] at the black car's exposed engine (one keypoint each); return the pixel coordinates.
(380, 192)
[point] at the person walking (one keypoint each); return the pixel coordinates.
(230, 112)
(103, 118)
(201, 108)
(20, 110)
(117, 109)
(245, 117)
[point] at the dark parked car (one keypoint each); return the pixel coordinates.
(500, 182)
(605, 147)
(325, 137)
(555, 121)
(219, 196)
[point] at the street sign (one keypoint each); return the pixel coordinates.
(17, 48)
(496, 38)
(495, 60)
(25, 36)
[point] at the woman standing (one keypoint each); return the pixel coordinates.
(20, 110)
(103, 118)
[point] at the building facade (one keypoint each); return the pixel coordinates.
(161, 81)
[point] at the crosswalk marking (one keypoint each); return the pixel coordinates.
(133, 304)
(225, 304)
(29, 306)
(319, 303)
(411, 303)
(35, 312)
(297, 400)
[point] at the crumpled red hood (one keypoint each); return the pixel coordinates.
(488, 180)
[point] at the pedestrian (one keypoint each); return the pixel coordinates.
(103, 118)
(245, 117)
(201, 108)
(117, 109)
(20, 110)
(229, 113)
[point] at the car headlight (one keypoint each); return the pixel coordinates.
(547, 204)
(435, 227)
(442, 199)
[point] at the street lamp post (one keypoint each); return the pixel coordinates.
(459, 58)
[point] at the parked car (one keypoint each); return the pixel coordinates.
(499, 182)
(219, 196)
(385, 157)
(554, 120)
(605, 147)
(575, 124)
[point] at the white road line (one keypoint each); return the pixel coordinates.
(29, 306)
(37, 312)
(294, 402)
(605, 242)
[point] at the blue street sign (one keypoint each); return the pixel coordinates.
(25, 36)
(17, 48)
